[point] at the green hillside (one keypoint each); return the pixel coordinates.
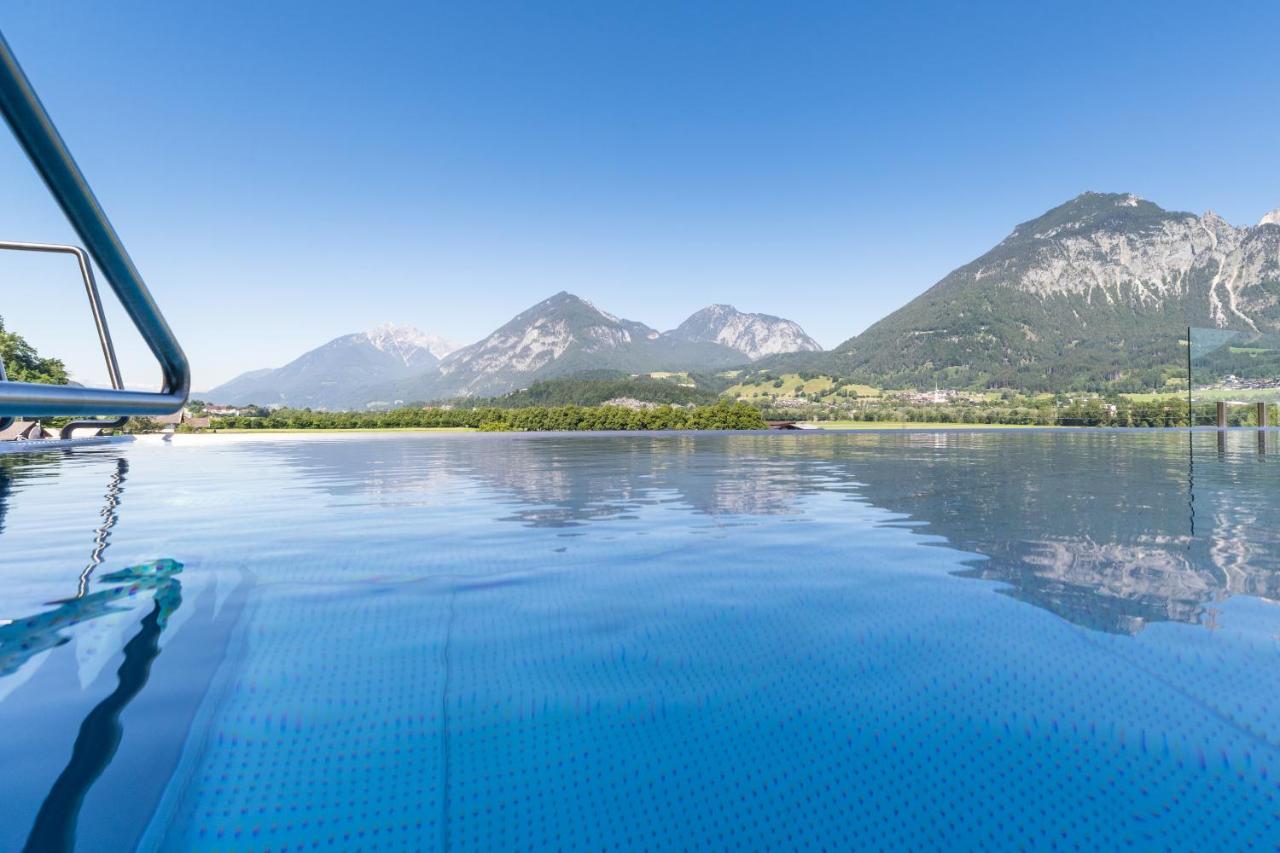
(1096, 294)
(592, 388)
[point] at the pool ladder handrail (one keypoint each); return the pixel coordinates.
(42, 143)
(99, 321)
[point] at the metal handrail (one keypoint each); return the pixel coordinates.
(7, 420)
(99, 321)
(91, 290)
(37, 135)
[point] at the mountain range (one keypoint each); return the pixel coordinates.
(1097, 293)
(330, 373)
(559, 336)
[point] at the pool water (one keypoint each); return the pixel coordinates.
(895, 640)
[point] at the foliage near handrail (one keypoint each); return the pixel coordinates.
(721, 416)
(23, 364)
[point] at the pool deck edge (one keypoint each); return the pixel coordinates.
(37, 445)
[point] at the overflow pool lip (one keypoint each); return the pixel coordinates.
(341, 434)
(451, 434)
(43, 444)
(229, 436)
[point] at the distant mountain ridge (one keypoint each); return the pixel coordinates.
(409, 344)
(336, 373)
(561, 335)
(753, 335)
(1097, 292)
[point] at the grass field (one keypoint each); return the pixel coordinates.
(681, 378)
(1211, 395)
(1157, 397)
(818, 389)
(1242, 395)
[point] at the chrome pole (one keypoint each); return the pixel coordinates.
(7, 420)
(99, 320)
(39, 138)
(91, 290)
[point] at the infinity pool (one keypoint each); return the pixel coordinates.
(906, 640)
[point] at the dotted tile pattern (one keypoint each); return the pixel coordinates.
(668, 680)
(625, 644)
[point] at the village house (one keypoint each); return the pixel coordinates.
(170, 423)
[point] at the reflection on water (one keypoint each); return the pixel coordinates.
(1098, 528)
(26, 637)
(100, 611)
(101, 731)
(488, 640)
(110, 514)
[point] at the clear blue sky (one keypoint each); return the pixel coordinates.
(285, 173)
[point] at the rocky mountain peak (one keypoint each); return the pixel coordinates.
(406, 342)
(571, 306)
(1093, 212)
(327, 375)
(561, 333)
(566, 334)
(753, 335)
(1099, 288)
(1272, 218)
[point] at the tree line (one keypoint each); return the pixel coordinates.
(1093, 413)
(723, 415)
(592, 388)
(23, 364)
